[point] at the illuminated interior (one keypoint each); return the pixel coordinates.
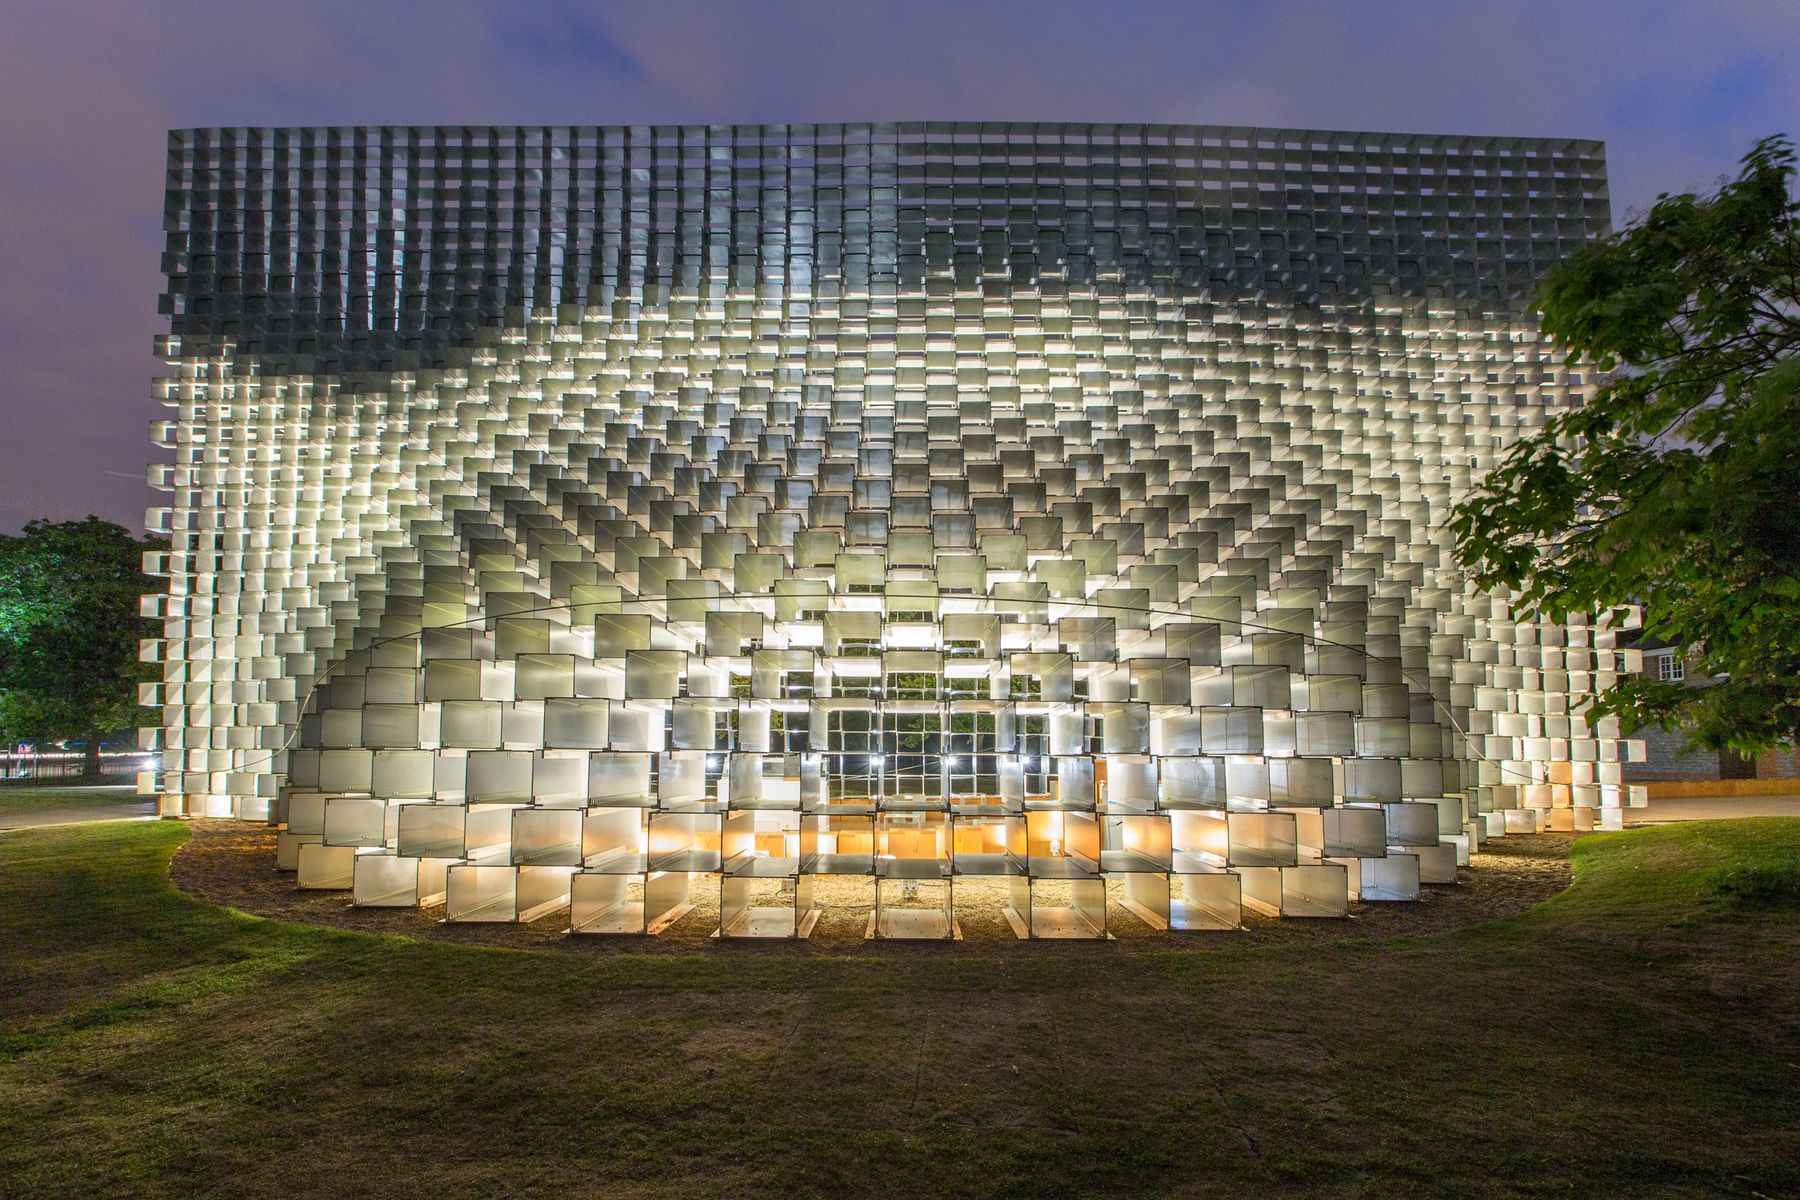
(992, 542)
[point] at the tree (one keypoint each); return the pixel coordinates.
(69, 630)
(1677, 486)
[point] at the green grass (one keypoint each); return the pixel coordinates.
(1638, 1035)
(16, 799)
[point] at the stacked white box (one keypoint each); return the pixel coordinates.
(746, 583)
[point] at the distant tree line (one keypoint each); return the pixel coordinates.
(70, 596)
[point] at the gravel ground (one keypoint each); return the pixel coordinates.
(232, 863)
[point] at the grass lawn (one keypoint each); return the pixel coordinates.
(100, 801)
(1639, 1035)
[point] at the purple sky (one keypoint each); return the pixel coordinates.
(1677, 90)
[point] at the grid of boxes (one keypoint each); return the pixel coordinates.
(384, 248)
(1113, 601)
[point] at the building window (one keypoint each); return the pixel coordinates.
(1670, 668)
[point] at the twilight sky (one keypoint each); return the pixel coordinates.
(1678, 89)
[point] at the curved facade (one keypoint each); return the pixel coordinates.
(595, 519)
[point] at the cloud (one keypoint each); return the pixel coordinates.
(1678, 89)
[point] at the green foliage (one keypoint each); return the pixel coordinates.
(1678, 486)
(69, 629)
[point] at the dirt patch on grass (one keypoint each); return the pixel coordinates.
(233, 863)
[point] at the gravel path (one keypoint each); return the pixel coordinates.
(232, 863)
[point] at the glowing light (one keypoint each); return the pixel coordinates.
(841, 574)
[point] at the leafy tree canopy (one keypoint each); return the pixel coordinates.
(69, 629)
(1678, 486)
